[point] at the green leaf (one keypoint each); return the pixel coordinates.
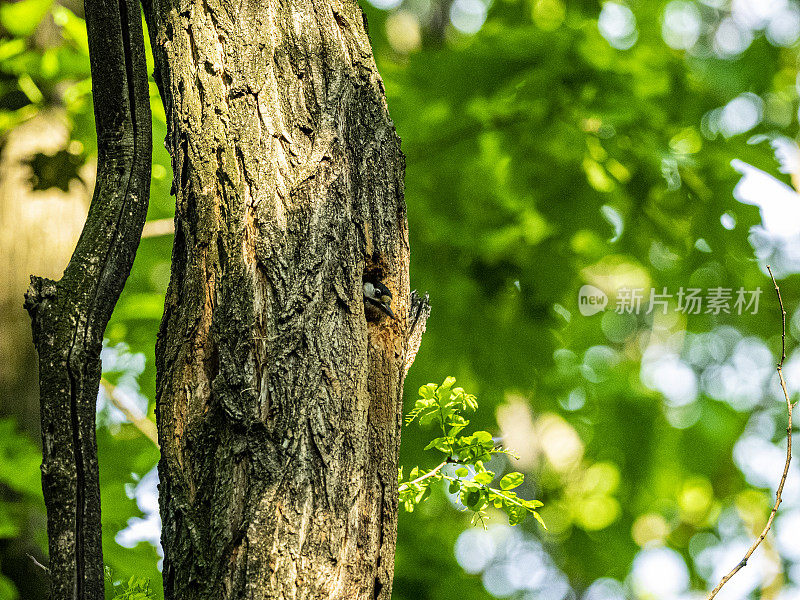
(455, 430)
(512, 480)
(21, 18)
(483, 437)
(470, 498)
(462, 472)
(442, 444)
(484, 477)
(428, 391)
(471, 402)
(428, 417)
(421, 407)
(11, 48)
(426, 492)
(538, 518)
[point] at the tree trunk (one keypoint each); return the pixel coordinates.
(279, 399)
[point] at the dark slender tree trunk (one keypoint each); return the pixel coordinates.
(279, 401)
(70, 315)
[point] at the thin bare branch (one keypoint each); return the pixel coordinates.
(779, 492)
(137, 419)
(38, 564)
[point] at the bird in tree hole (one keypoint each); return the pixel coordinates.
(378, 296)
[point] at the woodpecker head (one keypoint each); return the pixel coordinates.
(379, 296)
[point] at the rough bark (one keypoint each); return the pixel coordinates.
(70, 315)
(278, 402)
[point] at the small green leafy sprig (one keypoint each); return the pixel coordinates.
(136, 588)
(445, 406)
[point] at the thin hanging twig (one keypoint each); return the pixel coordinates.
(37, 563)
(789, 408)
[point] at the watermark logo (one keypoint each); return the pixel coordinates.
(690, 301)
(591, 300)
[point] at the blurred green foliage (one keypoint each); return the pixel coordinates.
(133, 589)
(541, 156)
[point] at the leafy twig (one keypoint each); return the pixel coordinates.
(443, 405)
(789, 407)
(430, 473)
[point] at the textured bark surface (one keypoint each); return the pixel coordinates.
(279, 402)
(70, 315)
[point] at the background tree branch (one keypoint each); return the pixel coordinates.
(70, 315)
